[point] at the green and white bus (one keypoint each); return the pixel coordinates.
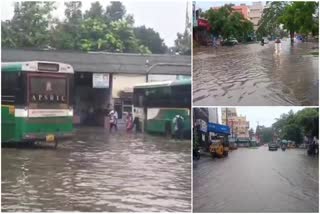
(36, 102)
(156, 104)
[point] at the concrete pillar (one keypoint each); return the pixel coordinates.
(110, 101)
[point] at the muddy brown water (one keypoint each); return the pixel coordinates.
(273, 74)
(98, 171)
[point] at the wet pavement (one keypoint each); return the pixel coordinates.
(257, 180)
(98, 171)
(251, 74)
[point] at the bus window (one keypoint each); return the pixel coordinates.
(138, 100)
(48, 92)
(8, 87)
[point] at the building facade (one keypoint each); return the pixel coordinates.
(242, 9)
(239, 126)
(256, 10)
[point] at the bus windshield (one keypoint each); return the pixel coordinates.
(164, 96)
(48, 92)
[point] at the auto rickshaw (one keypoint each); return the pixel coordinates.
(219, 147)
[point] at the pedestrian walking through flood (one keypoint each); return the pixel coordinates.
(113, 117)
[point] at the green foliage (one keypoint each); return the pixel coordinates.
(183, 43)
(95, 11)
(228, 23)
(300, 17)
(268, 24)
(294, 126)
(149, 38)
(97, 30)
(292, 132)
(266, 134)
(29, 25)
(115, 11)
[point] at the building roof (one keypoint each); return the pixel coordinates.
(106, 62)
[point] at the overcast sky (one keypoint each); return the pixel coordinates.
(166, 17)
(264, 115)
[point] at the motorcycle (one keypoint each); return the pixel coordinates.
(196, 153)
(283, 147)
(313, 149)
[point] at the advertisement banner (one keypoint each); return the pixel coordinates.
(100, 80)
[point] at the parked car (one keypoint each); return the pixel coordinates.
(273, 146)
(230, 41)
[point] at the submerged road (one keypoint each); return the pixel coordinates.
(257, 180)
(98, 171)
(273, 74)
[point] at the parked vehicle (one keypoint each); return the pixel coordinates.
(313, 149)
(231, 41)
(36, 105)
(278, 40)
(273, 146)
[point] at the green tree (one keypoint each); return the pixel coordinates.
(29, 25)
(7, 34)
(96, 11)
(288, 19)
(183, 43)
(293, 126)
(308, 119)
(301, 17)
(293, 132)
(151, 39)
(266, 134)
(115, 11)
(228, 23)
(268, 24)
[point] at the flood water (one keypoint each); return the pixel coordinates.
(273, 74)
(98, 171)
(257, 180)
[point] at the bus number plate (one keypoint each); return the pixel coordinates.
(50, 138)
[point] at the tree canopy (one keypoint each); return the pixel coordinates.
(293, 126)
(295, 17)
(97, 29)
(229, 23)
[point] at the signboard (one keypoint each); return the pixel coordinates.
(100, 80)
(218, 128)
(48, 112)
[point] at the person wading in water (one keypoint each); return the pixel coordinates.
(113, 120)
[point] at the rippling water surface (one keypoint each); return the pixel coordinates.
(257, 180)
(99, 172)
(274, 74)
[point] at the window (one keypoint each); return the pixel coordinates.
(12, 88)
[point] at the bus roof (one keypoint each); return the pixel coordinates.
(163, 83)
(42, 66)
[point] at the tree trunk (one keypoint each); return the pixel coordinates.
(292, 37)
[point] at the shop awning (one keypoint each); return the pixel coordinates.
(218, 128)
(204, 24)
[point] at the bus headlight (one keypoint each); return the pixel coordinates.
(70, 112)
